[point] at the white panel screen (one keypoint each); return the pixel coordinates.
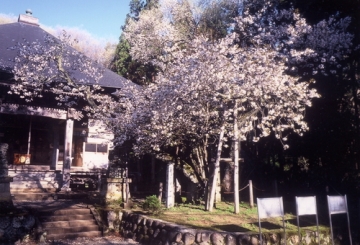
(337, 204)
(306, 205)
(270, 207)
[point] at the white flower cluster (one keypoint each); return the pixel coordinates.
(251, 78)
(53, 66)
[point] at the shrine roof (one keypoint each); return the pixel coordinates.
(14, 34)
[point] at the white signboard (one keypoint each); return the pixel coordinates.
(306, 205)
(337, 204)
(270, 207)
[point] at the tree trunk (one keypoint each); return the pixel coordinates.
(216, 171)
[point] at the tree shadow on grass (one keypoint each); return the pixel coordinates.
(268, 225)
(231, 228)
(305, 221)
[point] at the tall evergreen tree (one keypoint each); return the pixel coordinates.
(123, 63)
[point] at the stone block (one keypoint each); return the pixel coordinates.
(205, 237)
(230, 240)
(217, 239)
(189, 239)
(244, 240)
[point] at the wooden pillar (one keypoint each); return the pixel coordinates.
(170, 193)
(251, 194)
(67, 153)
(55, 149)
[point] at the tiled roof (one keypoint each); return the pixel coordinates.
(14, 33)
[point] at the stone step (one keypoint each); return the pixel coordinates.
(67, 224)
(66, 211)
(74, 235)
(43, 184)
(34, 178)
(33, 172)
(33, 196)
(66, 217)
(30, 167)
(28, 176)
(74, 229)
(17, 190)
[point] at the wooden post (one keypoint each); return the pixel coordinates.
(160, 191)
(29, 137)
(170, 197)
(127, 193)
(67, 154)
(251, 194)
(55, 149)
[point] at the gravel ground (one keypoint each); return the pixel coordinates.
(106, 240)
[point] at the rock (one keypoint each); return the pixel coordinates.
(149, 222)
(294, 239)
(42, 237)
(125, 216)
(16, 222)
(163, 235)
(150, 231)
(205, 237)
(189, 239)
(254, 240)
(198, 237)
(134, 227)
(111, 217)
(136, 219)
(155, 224)
(178, 237)
(144, 230)
(230, 240)
(273, 238)
(217, 239)
(28, 222)
(4, 222)
(244, 240)
(156, 233)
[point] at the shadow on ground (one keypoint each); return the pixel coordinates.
(231, 228)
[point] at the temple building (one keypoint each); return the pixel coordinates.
(48, 143)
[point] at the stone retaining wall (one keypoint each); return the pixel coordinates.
(16, 227)
(152, 231)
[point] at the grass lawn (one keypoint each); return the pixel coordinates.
(223, 218)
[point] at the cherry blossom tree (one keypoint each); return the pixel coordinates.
(241, 87)
(52, 66)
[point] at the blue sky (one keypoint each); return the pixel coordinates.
(101, 18)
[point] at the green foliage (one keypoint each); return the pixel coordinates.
(124, 65)
(152, 204)
(217, 17)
